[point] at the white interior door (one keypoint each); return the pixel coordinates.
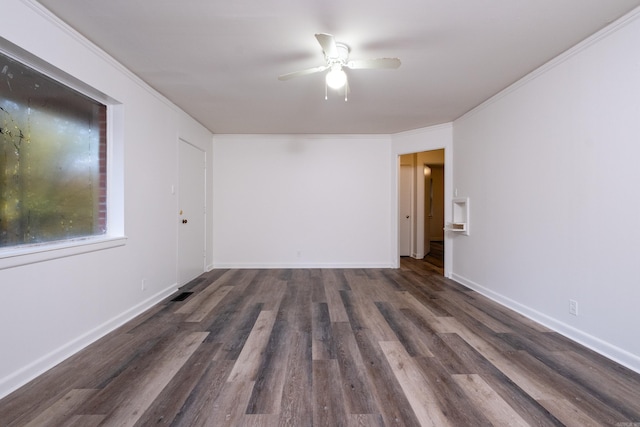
(404, 227)
(191, 211)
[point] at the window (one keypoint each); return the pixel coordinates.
(53, 159)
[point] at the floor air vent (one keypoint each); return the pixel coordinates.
(183, 296)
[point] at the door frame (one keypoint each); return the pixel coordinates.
(433, 138)
(427, 209)
(181, 281)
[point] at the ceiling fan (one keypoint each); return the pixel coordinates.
(336, 55)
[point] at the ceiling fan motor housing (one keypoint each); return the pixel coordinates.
(342, 56)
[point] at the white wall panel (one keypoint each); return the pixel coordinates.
(301, 201)
(550, 166)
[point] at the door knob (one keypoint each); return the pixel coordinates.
(407, 216)
(184, 221)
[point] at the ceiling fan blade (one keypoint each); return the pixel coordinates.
(328, 44)
(360, 64)
(302, 72)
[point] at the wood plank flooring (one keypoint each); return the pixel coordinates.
(350, 347)
(435, 257)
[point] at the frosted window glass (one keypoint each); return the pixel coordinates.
(52, 159)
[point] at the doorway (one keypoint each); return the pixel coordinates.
(434, 214)
(191, 211)
(422, 181)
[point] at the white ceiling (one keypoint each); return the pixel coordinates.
(219, 60)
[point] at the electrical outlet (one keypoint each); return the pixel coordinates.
(144, 284)
(573, 307)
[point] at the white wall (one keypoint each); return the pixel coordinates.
(301, 201)
(51, 309)
(551, 169)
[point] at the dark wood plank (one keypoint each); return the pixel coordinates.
(393, 404)
(133, 392)
(421, 397)
(356, 387)
(200, 406)
(455, 405)
(328, 401)
(522, 403)
(169, 403)
(323, 345)
(237, 332)
(497, 410)
(251, 357)
(404, 330)
(318, 294)
(266, 396)
(447, 356)
(59, 412)
(296, 407)
(612, 384)
(556, 393)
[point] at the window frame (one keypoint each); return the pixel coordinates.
(14, 256)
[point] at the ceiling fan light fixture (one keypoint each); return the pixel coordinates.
(336, 56)
(336, 77)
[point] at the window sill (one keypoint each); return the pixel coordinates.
(14, 257)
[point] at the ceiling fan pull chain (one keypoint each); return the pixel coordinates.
(325, 91)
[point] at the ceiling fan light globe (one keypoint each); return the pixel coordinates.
(336, 78)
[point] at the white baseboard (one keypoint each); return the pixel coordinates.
(48, 361)
(596, 344)
(267, 266)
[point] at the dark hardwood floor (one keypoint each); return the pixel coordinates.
(435, 257)
(331, 347)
